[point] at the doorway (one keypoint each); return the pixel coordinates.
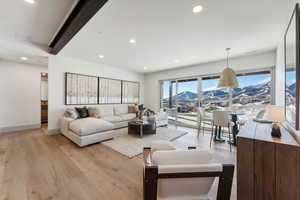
(44, 100)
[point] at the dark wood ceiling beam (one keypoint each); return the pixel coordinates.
(80, 15)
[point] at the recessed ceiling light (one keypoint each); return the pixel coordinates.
(197, 9)
(101, 56)
(30, 1)
(132, 41)
(24, 58)
(176, 61)
(145, 68)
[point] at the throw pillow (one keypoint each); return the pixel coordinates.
(94, 112)
(132, 109)
(71, 113)
(82, 112)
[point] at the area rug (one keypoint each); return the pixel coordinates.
(132, 145)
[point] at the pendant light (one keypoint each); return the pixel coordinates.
(228, 78)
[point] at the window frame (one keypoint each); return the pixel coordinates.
(215, 75)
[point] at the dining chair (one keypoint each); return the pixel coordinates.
(221, 119)
(202, 119)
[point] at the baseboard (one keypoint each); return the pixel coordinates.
(19, 128)
(53, 132)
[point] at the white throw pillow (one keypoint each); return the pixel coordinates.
(71, 113)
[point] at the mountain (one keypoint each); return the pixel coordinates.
(253, 93)
(292, 88)
(187, 96)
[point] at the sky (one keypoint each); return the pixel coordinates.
(290, 77)
(212, 84)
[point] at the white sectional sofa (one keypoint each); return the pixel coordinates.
(91, 130)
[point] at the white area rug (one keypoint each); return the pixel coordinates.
(132, 145)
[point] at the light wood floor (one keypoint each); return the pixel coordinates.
(36, 166)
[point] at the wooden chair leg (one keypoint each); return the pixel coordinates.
(150, 182)
(225, 183)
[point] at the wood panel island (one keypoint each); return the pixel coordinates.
(267, 168)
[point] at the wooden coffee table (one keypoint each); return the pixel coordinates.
(142, 127)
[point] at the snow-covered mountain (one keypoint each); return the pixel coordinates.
(255, 93)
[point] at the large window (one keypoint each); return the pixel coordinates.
(254, 92)
(180, 97)
(187, 101)
(211, 95)
(168, 98)
(290, 95)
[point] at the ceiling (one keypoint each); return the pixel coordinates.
(26, 29)
(168, 34)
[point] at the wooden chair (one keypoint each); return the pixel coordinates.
(184, 174)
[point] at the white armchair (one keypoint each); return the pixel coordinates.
(184, 174)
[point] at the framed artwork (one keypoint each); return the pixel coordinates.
(292, 70)
(110, 91)
(130, 92)
(91, 90)
(81, 89)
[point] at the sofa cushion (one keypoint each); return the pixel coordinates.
(121, 109)
(106, 111)
(88, 126)
(112, 119)
(127, 117)
(94, 112)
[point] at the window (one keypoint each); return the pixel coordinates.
(180, 97)
(211, 95)
(290, 96)
(187, 101)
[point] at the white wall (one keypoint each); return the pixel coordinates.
(263, 60)
(58, 65)
(20, 95)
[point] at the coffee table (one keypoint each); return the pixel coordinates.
(142, 127)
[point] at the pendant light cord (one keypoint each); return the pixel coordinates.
(227, 49)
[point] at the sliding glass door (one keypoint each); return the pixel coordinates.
(181, 97)
(168, 98)
(211, 95)
(254, 92)
(187, 101)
